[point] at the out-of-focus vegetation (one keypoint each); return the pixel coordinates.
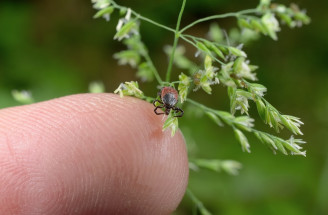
(55, 48)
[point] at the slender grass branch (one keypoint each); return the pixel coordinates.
(153, 22)
(175, 43)
(200, 105)
(199, 205)
(146, 55)
(201, 39)
(115, 5)
(205, 108)
(184, 37)
(234, 14)
(155, 72)
(187, 40)
(275, 143)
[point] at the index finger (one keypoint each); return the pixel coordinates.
(89, 154)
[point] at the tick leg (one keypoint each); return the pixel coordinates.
(177, 110)
(167, 111)
(155, 110)
(157, 101)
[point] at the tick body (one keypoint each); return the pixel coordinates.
(168, 100)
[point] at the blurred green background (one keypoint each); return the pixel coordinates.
(56, 48)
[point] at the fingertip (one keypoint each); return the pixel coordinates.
(94, 153)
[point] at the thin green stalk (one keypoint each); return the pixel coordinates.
(146, 55)
(175, 43)
(235, 14)
(197, 202)
(184, 37)
(150, 62)
(187, 40)
(200, 105)
(115, 5)
(153, 22)
(217, 112)
(201, 39)
(214, 111)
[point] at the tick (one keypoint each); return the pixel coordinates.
(168, 100)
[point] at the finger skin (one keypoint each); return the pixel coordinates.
(89, 154)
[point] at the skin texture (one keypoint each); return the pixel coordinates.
(89, 154)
